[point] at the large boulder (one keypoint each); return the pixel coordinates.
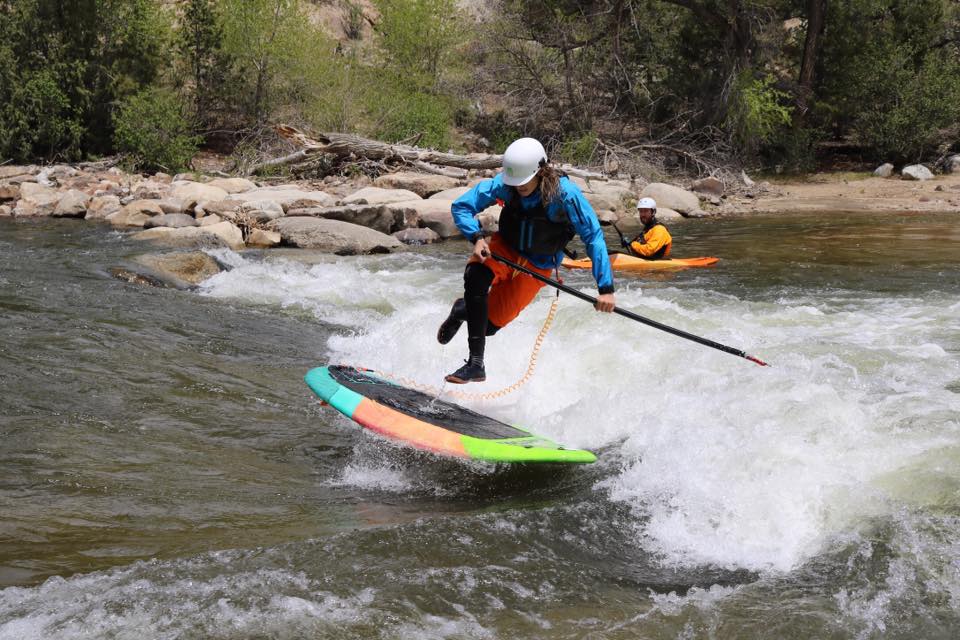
(607, 203)
(709, 186)
(173, 220)
(9, 192)
(100, 207)
(432, 214)
(261, 210)
(334, 236)
(223, 208)
(666, 214)
(450, 194)
(423, 184)
(952, 165)
(180, 269)
(376, 195)
(55, 175)
(223, 234)
(287, 196)
(6, 211)
(72, 204)
(417, 236)
(385, 218)
(671, 197)
(192, 193)
(489, 220)
(171, 205)
(36, 200)
(232, 185)
(15, 174)
(916, 172)
(263, 238)
(154, 190)
(135, 214)
(630, 224)
(884, 171)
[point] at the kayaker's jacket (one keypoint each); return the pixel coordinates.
(654, 243)
(526, 219)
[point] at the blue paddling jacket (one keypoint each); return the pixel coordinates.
(570, 206)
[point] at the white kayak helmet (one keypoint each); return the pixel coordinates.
(647, 203)
(521, 161)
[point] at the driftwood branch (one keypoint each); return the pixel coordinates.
(294, 158)
(459, 174)
(348, 145)
(345, 144)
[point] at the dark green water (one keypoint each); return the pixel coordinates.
(165, 473)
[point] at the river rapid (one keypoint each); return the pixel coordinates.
(165, 472)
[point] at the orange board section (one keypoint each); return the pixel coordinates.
(422, 435)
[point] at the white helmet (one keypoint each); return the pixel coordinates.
(521, 161)
(647, 203)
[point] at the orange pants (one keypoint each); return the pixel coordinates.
(511, 290)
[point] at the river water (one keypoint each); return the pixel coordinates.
(165, 472)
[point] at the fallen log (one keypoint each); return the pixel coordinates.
(349, 145)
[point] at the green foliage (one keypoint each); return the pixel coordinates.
(37, 118)
(64, 65)
(401, 113)
(419, 38)
(578, 150)
(904, 123)
(885, 80)
(152, 129)
(756, 113)
(200, 43)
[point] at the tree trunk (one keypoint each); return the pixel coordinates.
(347, 145)
(816, 22)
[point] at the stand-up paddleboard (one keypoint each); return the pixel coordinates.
(417, 419)
(623, 262)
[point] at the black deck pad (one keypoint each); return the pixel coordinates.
(424, 407)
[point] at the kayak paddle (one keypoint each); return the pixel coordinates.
(625, 242)
(629, 314)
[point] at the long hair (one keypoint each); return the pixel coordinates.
(549, 184)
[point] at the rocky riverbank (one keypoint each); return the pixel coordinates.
(336, 215)
(348, 217)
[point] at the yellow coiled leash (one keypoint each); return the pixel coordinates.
(464, 395)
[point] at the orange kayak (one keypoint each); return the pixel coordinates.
(624, 262)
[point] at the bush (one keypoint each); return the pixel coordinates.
(38, 119)
(578, 151)
(903, 122)
(755, 112)
(152, 129)
(402, 112)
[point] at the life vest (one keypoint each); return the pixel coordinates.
(532, 231)
(663, 251)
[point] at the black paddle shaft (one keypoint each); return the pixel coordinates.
(629, 314)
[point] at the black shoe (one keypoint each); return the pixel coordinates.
(450, 326)
(467, 373)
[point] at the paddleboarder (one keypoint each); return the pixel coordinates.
(542, 211)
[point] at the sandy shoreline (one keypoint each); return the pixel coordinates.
(850, 193)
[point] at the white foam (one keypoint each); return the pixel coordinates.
(724, 462)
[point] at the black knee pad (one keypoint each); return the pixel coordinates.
(477, 279)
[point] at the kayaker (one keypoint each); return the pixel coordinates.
(541, 212)
(654, 240)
